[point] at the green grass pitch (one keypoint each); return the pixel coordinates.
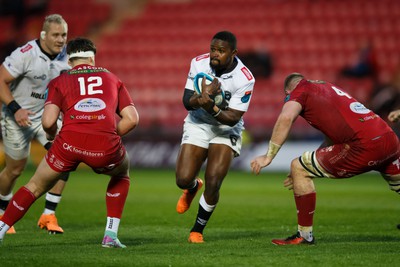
(355, 225)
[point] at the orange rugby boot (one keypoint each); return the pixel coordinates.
(195, 237)
(293, 240)
(186, 198)
(50, 223)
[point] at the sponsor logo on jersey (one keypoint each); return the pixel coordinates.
(247, 73)
(359, 108)
(246, 97)
(367, 118)
(198, 58)
(88, 117)
(26, 48)
(87, 69)
(39, 96)
(41, 77)
(90, 105)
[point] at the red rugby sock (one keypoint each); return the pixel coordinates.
(18, 206)
(117, 191)
(305, 205)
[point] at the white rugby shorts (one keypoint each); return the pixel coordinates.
(17, 140)
(203, 134)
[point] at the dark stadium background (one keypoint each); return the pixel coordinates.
(149, 45)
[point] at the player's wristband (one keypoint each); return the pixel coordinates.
(13, 106)
(217, 113)
(273, 149)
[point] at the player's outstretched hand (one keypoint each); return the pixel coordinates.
(259, 162)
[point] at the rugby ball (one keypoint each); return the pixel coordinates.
(198, 79)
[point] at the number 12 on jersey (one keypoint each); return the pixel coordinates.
(88, 85)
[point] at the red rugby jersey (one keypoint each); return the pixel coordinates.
(89, 98)
(335, 113)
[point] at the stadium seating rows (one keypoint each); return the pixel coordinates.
(151, 52)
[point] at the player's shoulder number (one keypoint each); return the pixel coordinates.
(340, 92)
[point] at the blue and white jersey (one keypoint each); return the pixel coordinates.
(237, 85)
(33, 70)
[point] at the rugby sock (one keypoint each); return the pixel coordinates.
(305, 232)
(3, 229)
(112, 225)
(305, 205)
(117, 191)
(4, 200)
(203, 215)
(51, 203)
(20, 204)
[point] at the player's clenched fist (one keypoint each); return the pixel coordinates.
(394, 116)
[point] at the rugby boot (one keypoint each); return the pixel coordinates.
(110, 240)
(49, 222)
(195, 237)
(293, 240)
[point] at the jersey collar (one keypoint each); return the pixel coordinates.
(52, 57)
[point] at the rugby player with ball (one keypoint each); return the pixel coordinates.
(213, 128)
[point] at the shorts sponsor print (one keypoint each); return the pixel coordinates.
(100, 152)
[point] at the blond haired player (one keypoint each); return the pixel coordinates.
(24, 76)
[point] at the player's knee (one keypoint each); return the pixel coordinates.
(295, 165)
(213, 184)
(184, 182)
(393, 182)
(14, 173)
